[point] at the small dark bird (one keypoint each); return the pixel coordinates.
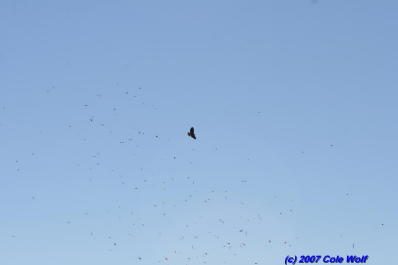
(192, 133)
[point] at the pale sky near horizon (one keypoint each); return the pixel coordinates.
(294, 105)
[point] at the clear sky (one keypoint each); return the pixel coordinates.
(295, 109)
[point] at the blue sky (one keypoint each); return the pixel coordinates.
(294, 105)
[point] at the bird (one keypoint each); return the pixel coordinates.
(192, 133)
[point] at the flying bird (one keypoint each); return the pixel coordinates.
(192, 133)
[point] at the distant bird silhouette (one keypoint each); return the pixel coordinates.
(192, 133)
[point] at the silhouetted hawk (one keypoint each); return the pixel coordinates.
(192, 133)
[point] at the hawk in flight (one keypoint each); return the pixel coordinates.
(192, 133)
